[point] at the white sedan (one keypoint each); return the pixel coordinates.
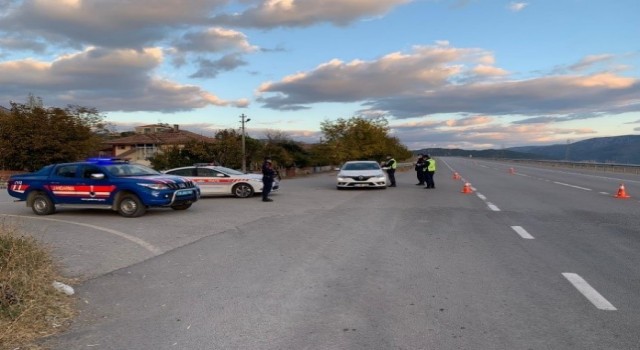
(361, 174)
(218, 180)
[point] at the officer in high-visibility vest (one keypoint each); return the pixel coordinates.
(430, 170)
(390, 166)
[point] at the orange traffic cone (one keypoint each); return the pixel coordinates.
(467, 188)
(622, 193)
(456, 176)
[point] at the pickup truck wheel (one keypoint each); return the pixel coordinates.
(42, 204)
(183, 206)
(242, 190)
(130, 206)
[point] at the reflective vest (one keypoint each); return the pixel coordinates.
(392, 163)
(432, 165)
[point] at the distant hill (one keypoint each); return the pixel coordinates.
(488, 153)
(617, 149)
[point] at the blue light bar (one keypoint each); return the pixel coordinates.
(107, 160)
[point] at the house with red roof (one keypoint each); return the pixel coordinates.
(149, 140)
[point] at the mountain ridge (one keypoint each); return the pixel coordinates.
(623, 149)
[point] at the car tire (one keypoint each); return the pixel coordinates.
(42, 204)
(242, 190)
(130, 206)
(339, 188)
(183, 206)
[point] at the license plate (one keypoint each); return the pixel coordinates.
(184, 193)
(362, 185)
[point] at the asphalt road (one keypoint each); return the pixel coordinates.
(534, 259)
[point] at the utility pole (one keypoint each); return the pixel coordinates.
(243, 120)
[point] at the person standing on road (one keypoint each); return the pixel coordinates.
(430, 167)
(390, 166)
(268, 174)
(420, 172)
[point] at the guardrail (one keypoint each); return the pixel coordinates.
(603, 167)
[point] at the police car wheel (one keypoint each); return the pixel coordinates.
(242, 190)
(42, 204)
(130, 206)
(183, 206)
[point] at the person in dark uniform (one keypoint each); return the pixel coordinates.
(430, 170)
(268, 174)
(390, 166)
(419, 167)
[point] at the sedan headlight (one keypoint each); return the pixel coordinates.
(154, 186)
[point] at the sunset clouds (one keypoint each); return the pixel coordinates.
(466, 73)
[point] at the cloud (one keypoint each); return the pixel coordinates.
(488, 134)
(469, 121)
(107, 23)
(113, 80)
(589, 61)
(139, 24)
(443, 79)
(485, 70)
(426, 68)
(517, 6)
(19, 43)
(533, 97)
(214, 40)
(292, 13)
(210, 69)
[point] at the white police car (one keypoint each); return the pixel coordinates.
(361, 174)
(219, 180)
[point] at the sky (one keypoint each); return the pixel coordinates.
(471, 74)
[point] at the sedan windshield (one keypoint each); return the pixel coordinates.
(122, 170)
(361, 166)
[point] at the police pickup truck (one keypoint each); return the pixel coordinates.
(112, 184)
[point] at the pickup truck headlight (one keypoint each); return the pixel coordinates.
(154, 186)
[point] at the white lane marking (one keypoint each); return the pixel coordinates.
(605, 193)
(133, 239)
(493, 206)
(522, 232)
(481, 196)
(578, 187)
(589, 292)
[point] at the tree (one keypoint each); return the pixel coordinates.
(176, 156)
(360, 138)
(32, 136)
(226, 151)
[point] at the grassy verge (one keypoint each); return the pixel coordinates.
(30, 308)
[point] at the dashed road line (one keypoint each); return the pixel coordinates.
(522, 232)
(572, 186)
(136, 240)
(492, 206)
(484, 199)
(589, 292)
